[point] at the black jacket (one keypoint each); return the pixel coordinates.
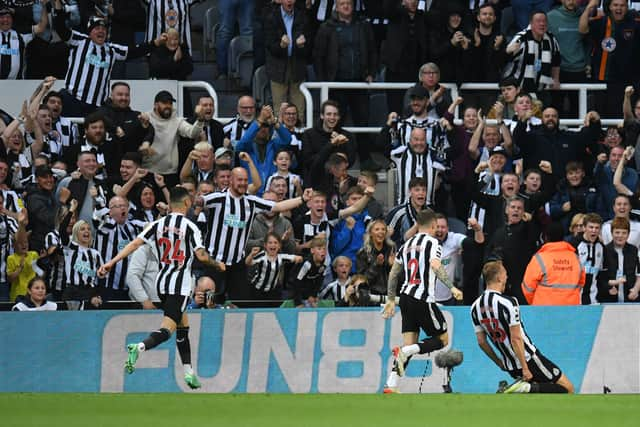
(394, 54)
(326, 50)
(276, 56)
(610, 267)
(41, 207)
(127, 119)
(377, 275)
(163, 66)
(315, 138)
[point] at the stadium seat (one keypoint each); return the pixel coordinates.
(209, 30)
(138, 69)
(456, 226)
(239, 48)
(261, 86)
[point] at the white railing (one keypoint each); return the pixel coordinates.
(324, 87)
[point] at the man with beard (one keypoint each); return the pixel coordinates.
(558, 146)
(514, 243)
(162, 155)
(106, 152)
(234, 129)
(122, 122)
(213, 131)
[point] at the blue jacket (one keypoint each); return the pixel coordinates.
(603, 175)
(347, 242)
(279, 140)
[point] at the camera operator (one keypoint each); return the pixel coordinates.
(358, 294)
(203, 297)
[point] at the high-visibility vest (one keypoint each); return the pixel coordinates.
(554, 276)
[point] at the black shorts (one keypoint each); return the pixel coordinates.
(173, 306)
(542, 369)
(423, 315)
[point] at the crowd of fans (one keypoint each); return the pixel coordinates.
(510, 180)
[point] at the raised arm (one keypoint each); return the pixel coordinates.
(627, 110)
(617, 176)
(44, 19)
(583, 23)
(256, 179)
(358, 206)
(474, 142)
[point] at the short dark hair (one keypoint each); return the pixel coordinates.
(221, 168)
(93, 118)
(354, 190)
(116, 84)
(425, 217)
(274, 235)
(535, 12)
(508, 81)
(52, 94)
(133, 156)
(484, 6)
(573, 165)
(532, 170)
(417, 182)
(177, 195)
(329, 103)
(593, 218)
(555, 232)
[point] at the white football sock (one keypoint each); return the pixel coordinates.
(410, 350)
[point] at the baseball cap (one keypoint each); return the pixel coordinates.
(94, 21)
(42, 171)
(418, 91)
(221, 151)
(498, 149)
(164, 96)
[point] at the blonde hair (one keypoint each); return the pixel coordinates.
(578, 219)
(340, 258)
(367, 244)
(76, 229)
(203, 146)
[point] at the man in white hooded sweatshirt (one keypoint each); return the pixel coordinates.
(162, 155)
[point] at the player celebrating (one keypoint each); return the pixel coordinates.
(175, 240)
(498, 316)
(420, 259)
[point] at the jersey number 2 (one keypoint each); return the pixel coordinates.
(176, 255)
(413, 272)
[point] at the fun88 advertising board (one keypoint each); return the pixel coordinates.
(301, 351)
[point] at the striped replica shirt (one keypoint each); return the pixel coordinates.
(415, 256)
(591, 256)
(229, 222)
(175, 241)
(410, 164)
(12, 202)
(265, 271)
(334, 290)
(12, 48)
(90, 68)
(55, 270)
(68, 132)
(235, 128)
(492, 187)
(81, 265)
(291, 180)
(8, 228)
(495, 314)
(163, 15)
(110, 239)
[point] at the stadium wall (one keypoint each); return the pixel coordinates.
(300, 351)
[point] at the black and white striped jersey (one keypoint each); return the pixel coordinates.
(12, 54)
(265, 271)
(163, 15)
(290, 179)
(81, 265)
(8, 228)
(591, 255)
(90, 68)
(415, 256)
(55, 270)
(492, 186)
(175, 241)
(411, 165)
(228, 224)
(111, 238)
(235, 128)
(334, 290)
(495, 314)
(68, 131)
(12, 202)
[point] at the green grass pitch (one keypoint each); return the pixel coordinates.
(311, 410)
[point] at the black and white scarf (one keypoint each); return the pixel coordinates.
(531, 64)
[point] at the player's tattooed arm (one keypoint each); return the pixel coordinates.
(442, 275)
(392, 284)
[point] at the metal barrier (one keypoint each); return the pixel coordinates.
(324, 87)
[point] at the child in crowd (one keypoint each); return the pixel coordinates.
(283, 164)
(36, 299)
(336, 290)
(20, 268)
(370, 179)
(265, 267)
(306, 279)
(620, 277)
